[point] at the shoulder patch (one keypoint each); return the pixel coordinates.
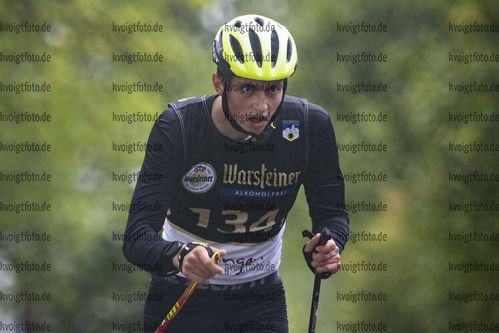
(290, 129)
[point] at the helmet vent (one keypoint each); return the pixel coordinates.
(290, 50)
(274, 47)
(256, 47)
(236, 47)
(259, 21)
(237, 24)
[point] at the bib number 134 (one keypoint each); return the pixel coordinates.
(237, 221)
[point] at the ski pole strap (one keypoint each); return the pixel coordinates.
(188, 248)
(325, 236)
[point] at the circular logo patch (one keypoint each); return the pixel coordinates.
(200, 178)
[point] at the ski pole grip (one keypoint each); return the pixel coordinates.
(215, 257)
(325, 236)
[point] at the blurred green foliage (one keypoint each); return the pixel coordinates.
(84, 250)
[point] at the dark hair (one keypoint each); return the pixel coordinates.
(226, 78)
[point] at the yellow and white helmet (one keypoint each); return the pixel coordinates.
(255, 47)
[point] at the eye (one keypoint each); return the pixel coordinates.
(271, 88)
(248, 88)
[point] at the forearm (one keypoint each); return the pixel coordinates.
(144, 247)
(326, 205)
(155, 188)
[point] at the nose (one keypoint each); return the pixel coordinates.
(261, 101)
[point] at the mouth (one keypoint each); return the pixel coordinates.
(257, 121)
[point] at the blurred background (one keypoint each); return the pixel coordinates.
(438, 251)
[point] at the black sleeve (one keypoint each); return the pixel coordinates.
(324, 186)
(142, 244)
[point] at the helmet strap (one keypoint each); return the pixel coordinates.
(270, 125)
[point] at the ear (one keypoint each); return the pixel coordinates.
(217, 84)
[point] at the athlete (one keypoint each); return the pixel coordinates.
(221, 172)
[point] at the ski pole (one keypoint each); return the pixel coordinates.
(185, 296)
(317, 286)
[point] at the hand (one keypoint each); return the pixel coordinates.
(326, 258)
(198, 266)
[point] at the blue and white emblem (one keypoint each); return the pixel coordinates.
(290, 129)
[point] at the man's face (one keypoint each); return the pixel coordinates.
(252, 103)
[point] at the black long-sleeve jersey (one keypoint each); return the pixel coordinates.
(197, 184)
